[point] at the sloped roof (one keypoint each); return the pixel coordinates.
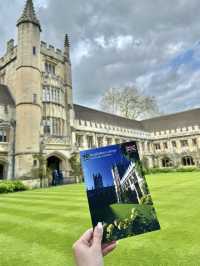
(29, 15)
(85, 113)
(5, 96)
(166, 122)
(173, 121)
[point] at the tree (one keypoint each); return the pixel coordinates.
(41, 170)
(129, 102)
(76, 166)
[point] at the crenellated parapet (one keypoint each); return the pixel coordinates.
(102, 128)
(51, 51)
(10, 55)
(178, 132)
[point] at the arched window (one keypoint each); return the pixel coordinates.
(187, 161)
(167, 162)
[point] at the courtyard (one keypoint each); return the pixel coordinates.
(39, 227)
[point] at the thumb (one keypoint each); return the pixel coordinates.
(98, 235)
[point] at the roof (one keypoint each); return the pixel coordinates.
(166, 122)
(173, 121)
(5, 96)
(88, 114)
(29, 15)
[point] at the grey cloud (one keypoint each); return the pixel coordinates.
(157, 25)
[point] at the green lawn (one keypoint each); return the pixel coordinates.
(122, 211)
(38, 227)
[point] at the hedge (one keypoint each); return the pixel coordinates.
(170, 170)
(12, 186)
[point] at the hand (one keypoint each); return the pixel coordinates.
(89, 251)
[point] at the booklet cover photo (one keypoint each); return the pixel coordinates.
(117, 191)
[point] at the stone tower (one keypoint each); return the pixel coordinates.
(28, 92)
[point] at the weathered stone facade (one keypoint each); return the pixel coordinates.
(37, 114)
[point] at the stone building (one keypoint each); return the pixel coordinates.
(37, 113)
(131, 179)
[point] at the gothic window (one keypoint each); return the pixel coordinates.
(35, 163)
(174, 144)
(50, 68)
(3, 136)
(117, 141)
(166, 162)
(100, 141)
(194, 142)
(34, 98)
(79, 140)
(47, 126)
(46, 68)
(157, 146)
(53, 69)
(58, 95)
(55, 96)
(48, 94)
(109, 141)
(184, 143)
(149, 147)
(54, 127)
(6, 109)
(52, 94)
(63, 97)
(165, 145)
(44, 94)
(34, 50)
(188, 161)
(59, 126)
(90, 141)
(143, 146)
(62, 129)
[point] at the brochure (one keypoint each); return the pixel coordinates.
(117, 191)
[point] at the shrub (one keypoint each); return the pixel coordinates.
(146, 199)
(5, 187)
(12, 186)
(170, 170)
(19, 186)
(187, 169)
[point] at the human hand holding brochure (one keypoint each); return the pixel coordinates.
(117, 191)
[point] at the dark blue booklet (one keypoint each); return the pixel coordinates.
(117, 191)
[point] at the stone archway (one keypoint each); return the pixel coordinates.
(54, 163)
(57, 167)
(3, 169)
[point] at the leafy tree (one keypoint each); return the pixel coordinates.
(41, 170)
(129, 102)
(76, 166)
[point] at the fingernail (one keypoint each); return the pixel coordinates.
(100, 227)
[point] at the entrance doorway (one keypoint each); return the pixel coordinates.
(54, 165)
(1, 171)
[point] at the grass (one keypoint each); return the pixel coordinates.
(114, 211)
(122, 211)
(38, 227)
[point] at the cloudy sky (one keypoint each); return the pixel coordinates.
(154, 45)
